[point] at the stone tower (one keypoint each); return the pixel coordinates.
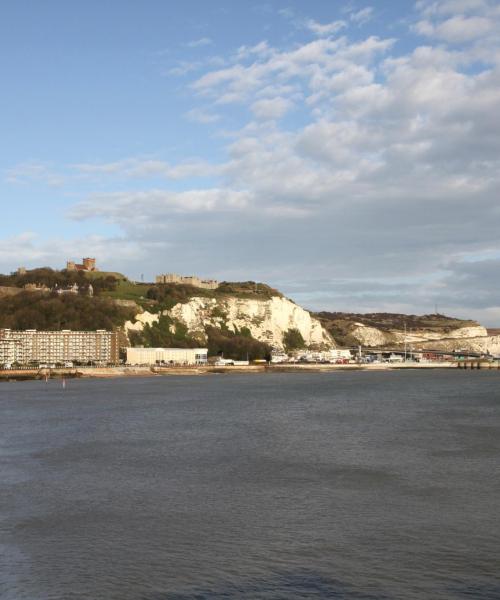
(89, 264)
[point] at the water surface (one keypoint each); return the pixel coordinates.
(361, 485)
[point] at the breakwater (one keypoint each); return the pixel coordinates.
(478, 364)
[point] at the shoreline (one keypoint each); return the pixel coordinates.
(146, 371)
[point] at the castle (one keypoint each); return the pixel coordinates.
(88, 264)
(208, 284)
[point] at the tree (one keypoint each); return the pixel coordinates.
(293, 340)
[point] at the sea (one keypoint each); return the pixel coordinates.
(344, 485)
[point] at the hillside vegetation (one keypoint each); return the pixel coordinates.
(36, 310)
(167, 295)
(340, 325)
(158, 297)
(45, 276)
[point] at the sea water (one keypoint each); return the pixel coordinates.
(355, 485)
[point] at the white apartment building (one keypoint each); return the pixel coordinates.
(176, 356)
(11, 351)
(31, 345)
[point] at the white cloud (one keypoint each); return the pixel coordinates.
(198, 115)
(261, 49)
(33, 172)
(204, 41)
(432, 8)
(184, 67)
(393, 139)
(325, 29)
(287, 12)
(308, 63)
(362, 16)
(143, 168)
(381, 183)
(272, 108)
(472, 24)
(457, 29)
(155, 207)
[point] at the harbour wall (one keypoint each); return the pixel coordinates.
(147, 371)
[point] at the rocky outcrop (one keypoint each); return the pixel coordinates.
(141, 319)
(370, 336)
(453, 339)
(266, 320)
(425, 336)
(489, 344)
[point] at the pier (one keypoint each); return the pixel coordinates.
(478, 364)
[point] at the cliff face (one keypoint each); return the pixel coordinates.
(267, 320)
(457, 338)
(378, 330)
(484, 344)
(425, 336)
(369, 336)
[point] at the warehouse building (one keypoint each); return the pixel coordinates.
(167, 356)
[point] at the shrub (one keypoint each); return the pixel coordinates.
(293, 340)
(235, 345)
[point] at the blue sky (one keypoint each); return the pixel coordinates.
(346, 152)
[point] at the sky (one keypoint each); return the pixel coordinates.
(347, 153)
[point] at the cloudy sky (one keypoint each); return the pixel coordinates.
(345, 152)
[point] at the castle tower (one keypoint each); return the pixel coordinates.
(89, 264)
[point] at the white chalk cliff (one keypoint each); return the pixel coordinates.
(267, 320)
(371, 336)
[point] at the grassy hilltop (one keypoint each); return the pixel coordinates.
(165, 295)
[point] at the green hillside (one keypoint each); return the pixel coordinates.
(37, 310)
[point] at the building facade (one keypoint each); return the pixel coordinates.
(11, 351)
(32, 346)
(167, 356)
(208, 284)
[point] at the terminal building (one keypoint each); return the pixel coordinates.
(208, 284)
(167, 356)
(33, 346)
